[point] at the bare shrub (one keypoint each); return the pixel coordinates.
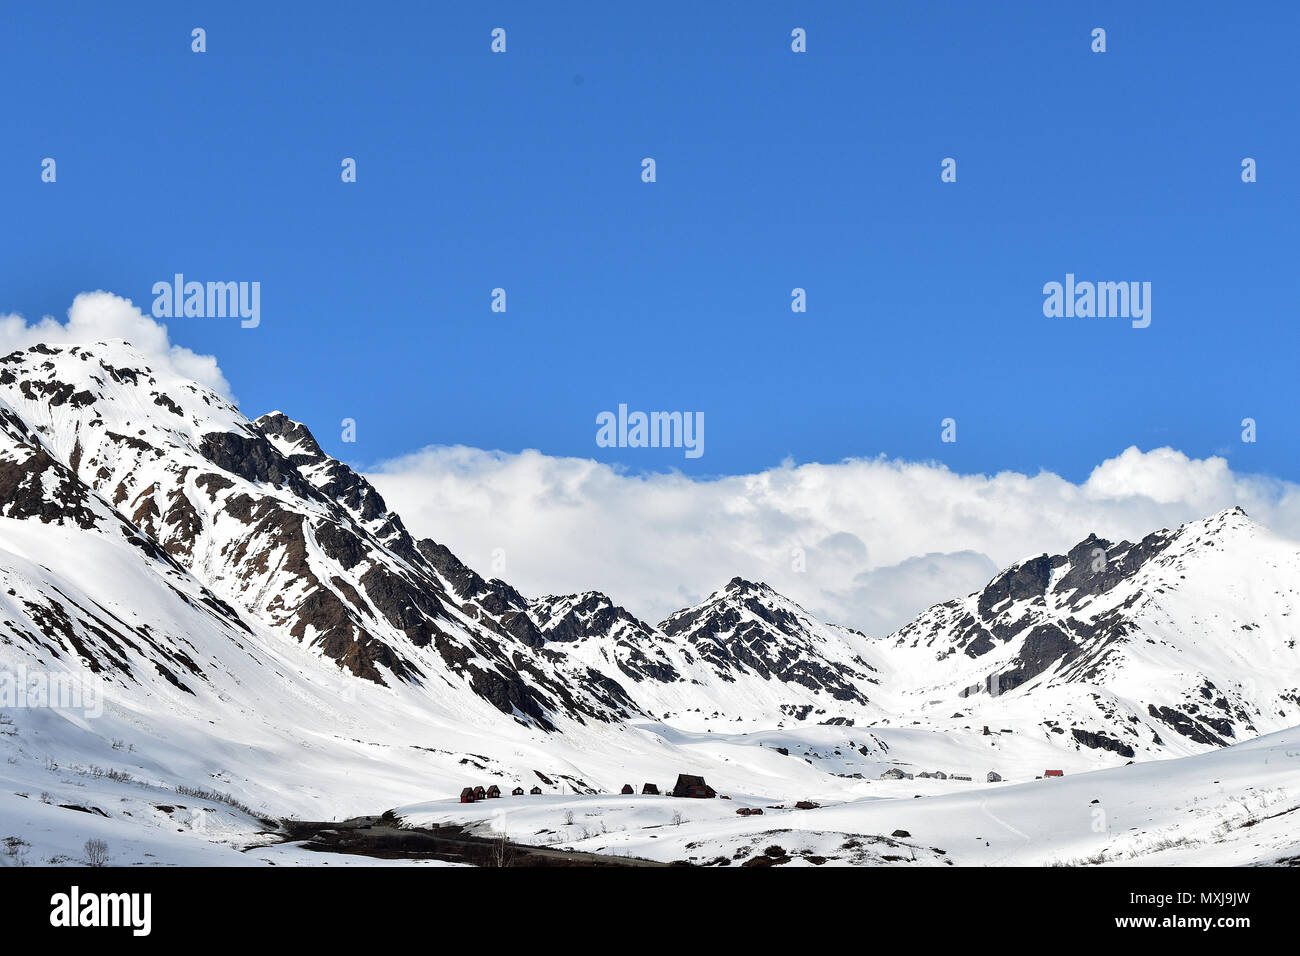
(96, 853)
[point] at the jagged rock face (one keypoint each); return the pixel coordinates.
(751, 627)
(280, 530)
(637, 651)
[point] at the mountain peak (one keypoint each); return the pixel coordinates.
(291, 437)
(739, 584)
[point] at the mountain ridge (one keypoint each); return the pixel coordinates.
(232, 554)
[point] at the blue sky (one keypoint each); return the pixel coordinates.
(775, 170)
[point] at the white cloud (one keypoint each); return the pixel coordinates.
(881, 539)
(97, 316)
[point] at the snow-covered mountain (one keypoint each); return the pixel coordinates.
(292, 538)
(248, 618)
(745, 655)
(1182, 642)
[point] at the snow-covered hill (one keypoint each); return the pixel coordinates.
(221, 608)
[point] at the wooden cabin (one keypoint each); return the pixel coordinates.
(467, 795)
(650, 788)
(493, 792)
(517, 792)
(692, 786)
(536, 791)
(627, 789)
(480, 793)
(1053, 773)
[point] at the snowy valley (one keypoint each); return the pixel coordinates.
(249, 635)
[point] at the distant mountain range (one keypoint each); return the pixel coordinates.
(254, 614)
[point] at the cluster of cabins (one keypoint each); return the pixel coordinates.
(896, 773)
(687, 786)
(694, 786)
(475, 794)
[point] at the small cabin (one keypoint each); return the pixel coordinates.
(536, 791)
(692, 786)
(743, 811)
(994, 777)
(493, 792)
(806, 805)
(627, 789)
(894, 773)
(467, 795)
(650, 788)
(517, 792)
(1053, 773)
(480, 793)
(756, 812)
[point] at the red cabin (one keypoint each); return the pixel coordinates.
(517, 792)
(493, 791)
(480, 793)
(467, 795)
(1053, 773)
(627, 788)
(744, 811)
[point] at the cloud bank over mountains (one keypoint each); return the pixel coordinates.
(865, 542)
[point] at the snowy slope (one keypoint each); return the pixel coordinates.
(1236, 806)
